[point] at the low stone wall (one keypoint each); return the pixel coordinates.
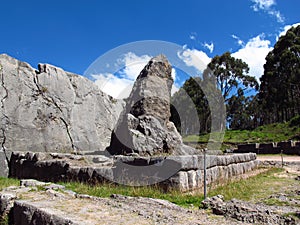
(287, 147)
(220, 169)
(184, 173)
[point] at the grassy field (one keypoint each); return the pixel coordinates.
(264, 134)
(6, 182)
(257, 188)
(254, 189)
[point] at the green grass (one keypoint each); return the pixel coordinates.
(252, 189)
(6, 182)
(4, 220)
(255, 188)
(268, 133)
(106, 190)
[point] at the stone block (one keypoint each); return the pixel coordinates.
(192, 179)
(6, 202)
(183, 181)
(186, 162)
(245, 148)
(4, 170)
(268, 148)
(28, 213)
(285, 145)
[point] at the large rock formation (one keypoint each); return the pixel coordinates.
(144, 127)
(52, 110)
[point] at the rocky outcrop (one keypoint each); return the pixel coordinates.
(144, 127)
(51, 110)
(249, 212)
(38, 203)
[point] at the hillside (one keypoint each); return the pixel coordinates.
(269, 133)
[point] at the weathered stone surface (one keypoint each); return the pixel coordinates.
(184, 173)
(3, 165)
(6, 202)
(39, 206)
(52, 110)
(30, 213)
(247, 212)
(144, 125)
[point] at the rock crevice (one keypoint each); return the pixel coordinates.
(50, 110)
(4, 119)
(42, 91)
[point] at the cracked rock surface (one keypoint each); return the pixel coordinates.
(52, 110)
(144, 127)
(53, 204)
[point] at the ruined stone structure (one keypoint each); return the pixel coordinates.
(49, 114)
(183, 173)
(144, 127)
(287, 147)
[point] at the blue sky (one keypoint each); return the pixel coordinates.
(73, 34)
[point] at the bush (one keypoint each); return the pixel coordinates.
(295, 122)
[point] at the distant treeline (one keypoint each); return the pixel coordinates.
(248, 104)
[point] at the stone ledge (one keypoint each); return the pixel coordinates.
(180, 172)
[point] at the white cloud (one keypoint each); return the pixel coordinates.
(268, 7)
(195, 58)
(254, 54)
(263, 4)
(286, 28)
(120, 86)
(114, 86)
(210, 46)
(239, 41)
(174, 89)
(173, 73)
(193, 36)
(133, 65)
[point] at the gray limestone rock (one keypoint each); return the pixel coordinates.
(50, 110)
(3, 165)
(144, 127)
(248, 212)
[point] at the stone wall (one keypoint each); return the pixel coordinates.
(184, 173)
(220, 169)
(287, 147)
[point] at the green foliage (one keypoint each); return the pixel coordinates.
(253, 188)
(242, 111)
(229, 74)
(6, 182)
(269, 133)
(280, 84)
(190, 105)
(4, 220)
(295, 121)
(106, 190)
(203, 99)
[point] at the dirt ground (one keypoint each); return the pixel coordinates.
(278, 158)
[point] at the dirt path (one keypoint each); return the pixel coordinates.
(278, 158)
